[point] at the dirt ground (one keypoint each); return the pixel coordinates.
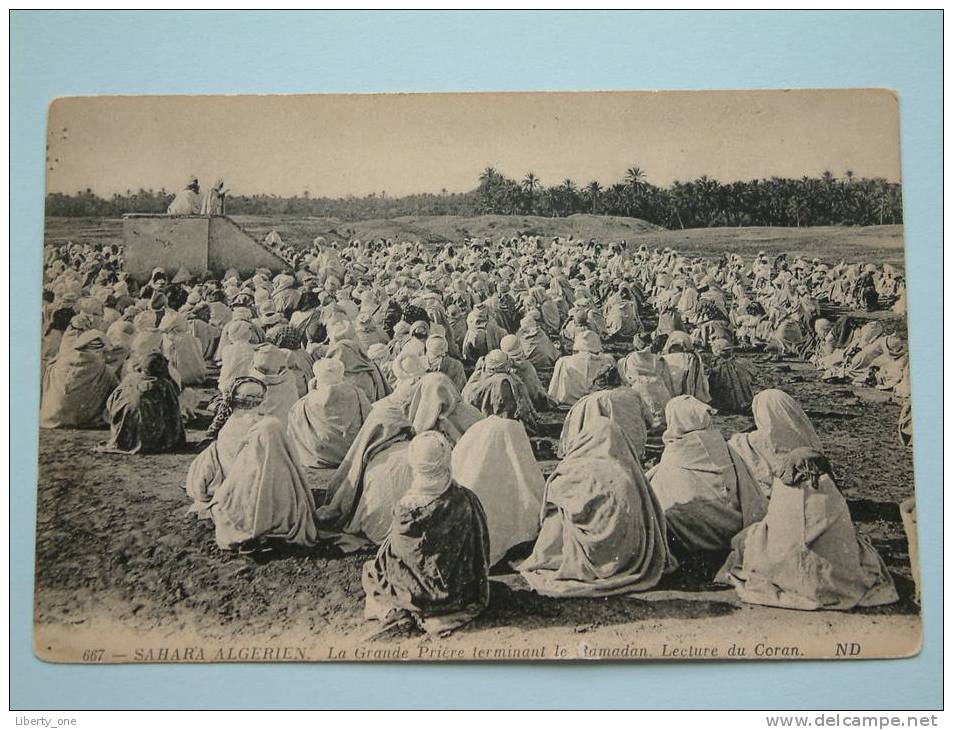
(117, 555)
(116, 547)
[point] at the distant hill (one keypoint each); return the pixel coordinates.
(436, 229)
(874, 244)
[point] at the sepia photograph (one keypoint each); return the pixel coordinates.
(484, 377)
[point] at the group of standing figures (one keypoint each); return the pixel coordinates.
(382, 395)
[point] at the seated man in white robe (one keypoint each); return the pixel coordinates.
(237, 354)
(575, 374)
(187, 201)
(706, 491)
(538, 349)
(77, 384)
(524, 370)
(270, 366)
(248, 483)
(440, 361)
(494, 459)
(323, 424)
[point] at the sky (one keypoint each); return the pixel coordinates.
(336, 145)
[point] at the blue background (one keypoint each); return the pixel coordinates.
(68, 53)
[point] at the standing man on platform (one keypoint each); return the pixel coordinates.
(214, 203)
(187, 202)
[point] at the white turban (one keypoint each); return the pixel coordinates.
(328, 371)
(428, 456)
(408, 368)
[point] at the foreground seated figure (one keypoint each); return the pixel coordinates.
(780, 426)
(602, 532)
(620, 404)
(323, 425)
(575, 374)
(144, 414)
(524, 370)
(432, 570)
(182, 349)
(686, 367)
(805, 553)
(270, 366)
(729, 381)
(375, 474)
(538, 349)
(77, 384)
(495, 460)
(358, 368)
(440, 361)
(248, 483)
(707, 493)
(490, 379)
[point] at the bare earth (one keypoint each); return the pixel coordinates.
(121, 567)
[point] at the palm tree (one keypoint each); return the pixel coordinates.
(635, 178)
(489, 175)
(593, 189)
(531, 183)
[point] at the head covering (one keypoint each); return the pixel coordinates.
(143, 321)
(285, 336)
(246, 393)
(895, 345)
(782, 426)
(684, 414)
(173, 323)
(270, 319)
(340, 329)
(413, 346)
(639, 363)
(408, 368)
(680, 340)
(428, 456)
(238, 330)
(437, 346)
(269, 359)
(91, 305)
(496, 361)
(420, 329)
(328, 371)
(154, 365)
(529, 324)
(587, 341)
(120, 334)
(512, 347)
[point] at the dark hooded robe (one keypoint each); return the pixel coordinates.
(433, 564)
(144, 416)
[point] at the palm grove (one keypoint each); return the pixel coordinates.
(700, 203)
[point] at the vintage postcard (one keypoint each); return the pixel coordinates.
(475, 377)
